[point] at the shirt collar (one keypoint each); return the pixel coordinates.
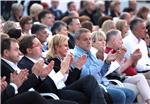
(135, 39)
(13, 65)
(82, 51)
(34, 60)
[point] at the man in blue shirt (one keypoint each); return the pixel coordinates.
(98, 68)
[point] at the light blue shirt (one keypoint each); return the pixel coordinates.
(93, 66)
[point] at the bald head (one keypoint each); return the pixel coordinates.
(126, 16)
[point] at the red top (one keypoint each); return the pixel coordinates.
(130, 71)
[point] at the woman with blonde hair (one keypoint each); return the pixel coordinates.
(35, 9)
(55, 46)
(71, 81)
(122, 25)
(98, 44)
(108, 25)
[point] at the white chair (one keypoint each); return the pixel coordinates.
(54, 96)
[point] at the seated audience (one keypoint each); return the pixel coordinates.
(97, 68)
(114, 44)
(133, 41)
(26, 24)
(40, 31)
(78, 91)
(9, 92)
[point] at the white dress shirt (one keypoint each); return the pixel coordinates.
(15, 87)
(131, 43)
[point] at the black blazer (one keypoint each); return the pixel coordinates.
(57, 13)
(25, 63)
(31, 82)
(46, 85)
(74, 73)
(7, 93)
(71, 41)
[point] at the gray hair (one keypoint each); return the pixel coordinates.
(8, 25)
(111, 33)
(16, 6)
(79, 32)
(135, 22)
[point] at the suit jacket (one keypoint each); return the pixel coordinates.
(57, 13)
(25, 63)
(7, 93)
(31, 82)
(46, 85)
(49, 86)
(71, 41)
(65, 14)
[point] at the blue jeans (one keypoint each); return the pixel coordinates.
(121, 95)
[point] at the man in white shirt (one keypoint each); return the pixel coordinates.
(135, 41)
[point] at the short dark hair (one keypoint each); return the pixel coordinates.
(57, 26)
(14, 33)
(68, 20)
(102, 19)
(42, 14)
(26, 42)
(148, 27)
(6, 43)
(87, 25)
(128, 10)
(69, 3)
(24, 20)
(37, 27)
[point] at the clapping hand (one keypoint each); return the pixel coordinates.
(100, 54)
(38, 67)
(41, 69)
(65, 64)
(111, 57)
(120, 54)
(19, 78)
(81, 61)
(47, 69)
(135, 56)
(3, 83)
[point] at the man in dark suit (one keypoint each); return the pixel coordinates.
(9, 92)
(80, 91)
(10, 56)
(71, 6)
(73, 25)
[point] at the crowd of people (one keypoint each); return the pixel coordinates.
(95, 55)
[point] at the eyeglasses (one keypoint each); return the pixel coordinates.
(36, 45)
(50, 17)
(29, 22)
